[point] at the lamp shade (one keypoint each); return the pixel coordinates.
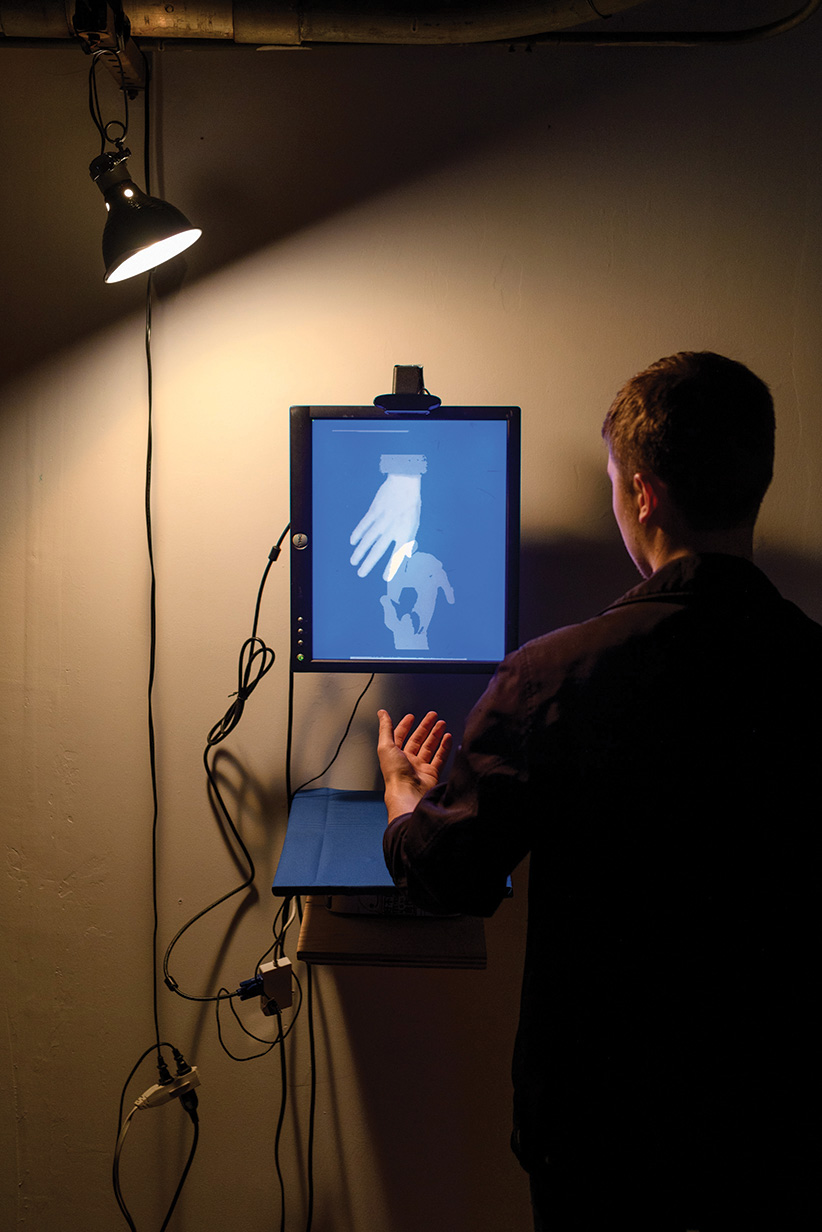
(141, 232)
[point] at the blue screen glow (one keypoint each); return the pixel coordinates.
(409, 539)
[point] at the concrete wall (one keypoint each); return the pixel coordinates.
(532, 228)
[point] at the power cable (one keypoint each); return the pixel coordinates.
(256, 660)
(314, 778)
(189, 1102)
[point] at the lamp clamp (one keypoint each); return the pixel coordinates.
(103, 29)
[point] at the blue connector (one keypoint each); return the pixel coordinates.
(250, 988)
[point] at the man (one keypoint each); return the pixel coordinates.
(659, 764)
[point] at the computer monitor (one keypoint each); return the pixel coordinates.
(404, 538)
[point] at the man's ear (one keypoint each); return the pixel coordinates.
(647, 492)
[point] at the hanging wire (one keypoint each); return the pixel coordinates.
(256, 660)
(95, 109)
(314, 778)
(152, 661)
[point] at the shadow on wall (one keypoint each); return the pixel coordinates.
(257, 814)
(799, 578)
(253, 148)
(310, 135)
(432, 1053)
(570, 580)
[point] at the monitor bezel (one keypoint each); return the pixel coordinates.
(301, 532)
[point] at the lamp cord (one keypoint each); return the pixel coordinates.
(152, 659)
(95, 109)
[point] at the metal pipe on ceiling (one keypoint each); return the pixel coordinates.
(287, 24)
(313, 23)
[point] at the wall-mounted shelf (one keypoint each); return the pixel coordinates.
(354, 916)
(332, 938)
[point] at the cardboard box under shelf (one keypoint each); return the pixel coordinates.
(331, 938)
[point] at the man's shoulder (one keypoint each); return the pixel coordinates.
(549, 662)
(640, 607)
(709, 593)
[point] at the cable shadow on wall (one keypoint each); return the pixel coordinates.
(246, 800)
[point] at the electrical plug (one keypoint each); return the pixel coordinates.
(162, 1093)
(272, 986)
(183, 1066)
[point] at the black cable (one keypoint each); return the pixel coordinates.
(279, 1129)
(94, 101)
(256, 660)
(169, 980)
(189, 1102)
(255, 1056)
(152, 660)
(96, 110)
(289, 740)
(247, 1031)
(122, 1126)
(309, 974)
(288, 912)
(230, 997)
(342, 741)
(312, 1098)
(147, 65)
(278, 945)
(136, 1066)
(115, 1171)
(278, 1039)
(102, 128)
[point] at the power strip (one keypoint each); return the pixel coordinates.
(163, 1092)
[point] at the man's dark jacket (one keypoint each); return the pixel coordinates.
(661, 764)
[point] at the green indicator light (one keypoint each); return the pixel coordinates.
(300, 658)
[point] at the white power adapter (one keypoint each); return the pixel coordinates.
(277, 991)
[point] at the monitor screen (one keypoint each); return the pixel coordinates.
(404, 538)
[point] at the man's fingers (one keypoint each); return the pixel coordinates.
(420, 734)
(425, 739)
(402, 729)
(385, 734)
(441, 756)
(431, 746)
(429, 742)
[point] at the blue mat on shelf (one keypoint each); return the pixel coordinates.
(333, 844)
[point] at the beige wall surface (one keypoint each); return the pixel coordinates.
(532, 228)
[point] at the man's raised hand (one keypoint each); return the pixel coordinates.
(411, 761)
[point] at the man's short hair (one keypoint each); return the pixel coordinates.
(704, 425)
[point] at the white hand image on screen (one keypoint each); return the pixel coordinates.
(423, 576)
(393, 518)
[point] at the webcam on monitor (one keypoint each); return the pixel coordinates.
(404, 535)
